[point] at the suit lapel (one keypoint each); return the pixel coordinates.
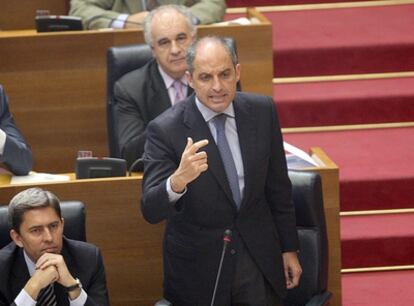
(247, 132)
(159, 100)
(200, 130)
(19, 274)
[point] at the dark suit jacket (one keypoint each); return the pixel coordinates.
(193, 243)
(83, 260)
(140, 96)
(16, 155)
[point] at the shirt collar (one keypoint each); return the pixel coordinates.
(31, 266)
(168, 80)
(208, 114)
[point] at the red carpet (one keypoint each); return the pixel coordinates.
(345, 102)
(376, 166)
(343, 41)
(377, 240)
(378, 289)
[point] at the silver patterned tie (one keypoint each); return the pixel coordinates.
(227, 157)
(178, 87)
(47, 297)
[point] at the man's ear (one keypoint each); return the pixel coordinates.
(16, 238)
(189, 78)
(237, 69)
(63, 223)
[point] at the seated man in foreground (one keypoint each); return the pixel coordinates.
(40, 266)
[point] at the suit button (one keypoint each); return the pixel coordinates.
(232, 251)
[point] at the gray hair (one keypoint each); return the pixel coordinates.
(178, 8)
(227, 43)
(28, 199)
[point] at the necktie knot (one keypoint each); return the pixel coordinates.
(220, 121)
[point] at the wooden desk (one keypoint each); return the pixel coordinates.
(132, 248)
(15, 15)
(330, 188)
(56, 83)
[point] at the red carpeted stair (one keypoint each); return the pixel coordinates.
(376, 165)
(377, 240)
(391, 288)
(343, 40)
(345, 102)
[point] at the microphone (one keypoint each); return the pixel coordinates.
(88, 22)
(226, 240)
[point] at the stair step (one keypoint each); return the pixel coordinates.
(376, 168)
(391, 288)
(349, 40)
(345, 102)
(377, 240)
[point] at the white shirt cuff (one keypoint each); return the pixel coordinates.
(24, 299)
(80, 300)
(119, 22)
(173, 196)
(2, 141)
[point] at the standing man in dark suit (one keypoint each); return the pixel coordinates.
(143, 94)
(40, 264)
(216, 162)
(14, 152)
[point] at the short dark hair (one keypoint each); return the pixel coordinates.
(226, 42)
(29, 199)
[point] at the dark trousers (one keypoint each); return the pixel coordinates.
(250, 288)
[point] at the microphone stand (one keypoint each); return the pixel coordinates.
(226, 241)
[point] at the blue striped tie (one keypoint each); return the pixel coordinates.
(227, 157)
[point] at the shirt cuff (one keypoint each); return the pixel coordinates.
(2, 141)
(173, 196)
(119, 22)
(80, 300)
(24, 299)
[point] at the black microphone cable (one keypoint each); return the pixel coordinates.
(134, 164)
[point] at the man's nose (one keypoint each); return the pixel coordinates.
(47, 235)
(216, 83)
(175, 48)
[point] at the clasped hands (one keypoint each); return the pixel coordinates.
(50, 268)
